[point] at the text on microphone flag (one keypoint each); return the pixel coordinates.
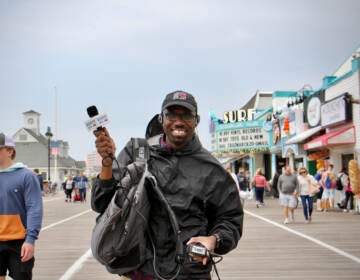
(96, 121)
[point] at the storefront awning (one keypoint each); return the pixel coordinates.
(340, 137)
(276, 149)
(303, 135)
(225, 159)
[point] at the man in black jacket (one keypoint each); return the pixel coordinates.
(201, 193)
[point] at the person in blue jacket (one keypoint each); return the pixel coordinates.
(21, 213)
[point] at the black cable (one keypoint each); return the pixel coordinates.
(212, 256)
(175, 227)
(173, 221)
(112, 159)
(155, 264)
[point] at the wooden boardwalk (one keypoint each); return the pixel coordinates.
(328, 248)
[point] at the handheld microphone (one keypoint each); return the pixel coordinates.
(96, 122)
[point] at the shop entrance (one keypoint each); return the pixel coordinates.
(267, 166)
(280, 163)
(243, 162)
(345, 161)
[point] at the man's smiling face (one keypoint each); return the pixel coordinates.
(179, 125)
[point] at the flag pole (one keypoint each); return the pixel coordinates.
(55, 137)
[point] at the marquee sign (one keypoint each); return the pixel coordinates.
(242, 136)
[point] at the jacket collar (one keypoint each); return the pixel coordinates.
(193, 146)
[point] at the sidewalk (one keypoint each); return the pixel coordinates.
(268, 249)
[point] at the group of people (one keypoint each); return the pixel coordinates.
(329, 182)
(203, 196)
(290, 187)
(200, 192)
(321, 186)
(286, 184)
(246, 189)
(77, 184)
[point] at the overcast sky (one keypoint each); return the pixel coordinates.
(125, 56)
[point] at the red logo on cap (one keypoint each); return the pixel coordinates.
(180, 95)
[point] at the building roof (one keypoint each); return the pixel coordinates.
(346, 65)
(32, 111)
(36, 153)
(260, 101)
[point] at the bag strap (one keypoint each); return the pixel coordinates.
(141, 152)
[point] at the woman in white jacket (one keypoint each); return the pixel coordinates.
(305, 182)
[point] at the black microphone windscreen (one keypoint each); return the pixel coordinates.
(92, 111)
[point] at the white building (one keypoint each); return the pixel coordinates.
(93, 163)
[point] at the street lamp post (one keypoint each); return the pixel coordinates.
(48, 134)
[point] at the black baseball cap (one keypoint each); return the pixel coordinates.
(180, 98)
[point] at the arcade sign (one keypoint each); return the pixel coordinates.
(336, 111)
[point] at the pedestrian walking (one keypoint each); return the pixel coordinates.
(306, 181)
(40, 178)
(233, 175)
(274, 182)
(329, 185)
(319, 180)
(69, 187)
(260, 183)
(348, 203)
(341, 183)
(82, 183)
(21, 211)
(244, 185)
(289, 189)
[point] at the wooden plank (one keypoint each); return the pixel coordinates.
(266, 251)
